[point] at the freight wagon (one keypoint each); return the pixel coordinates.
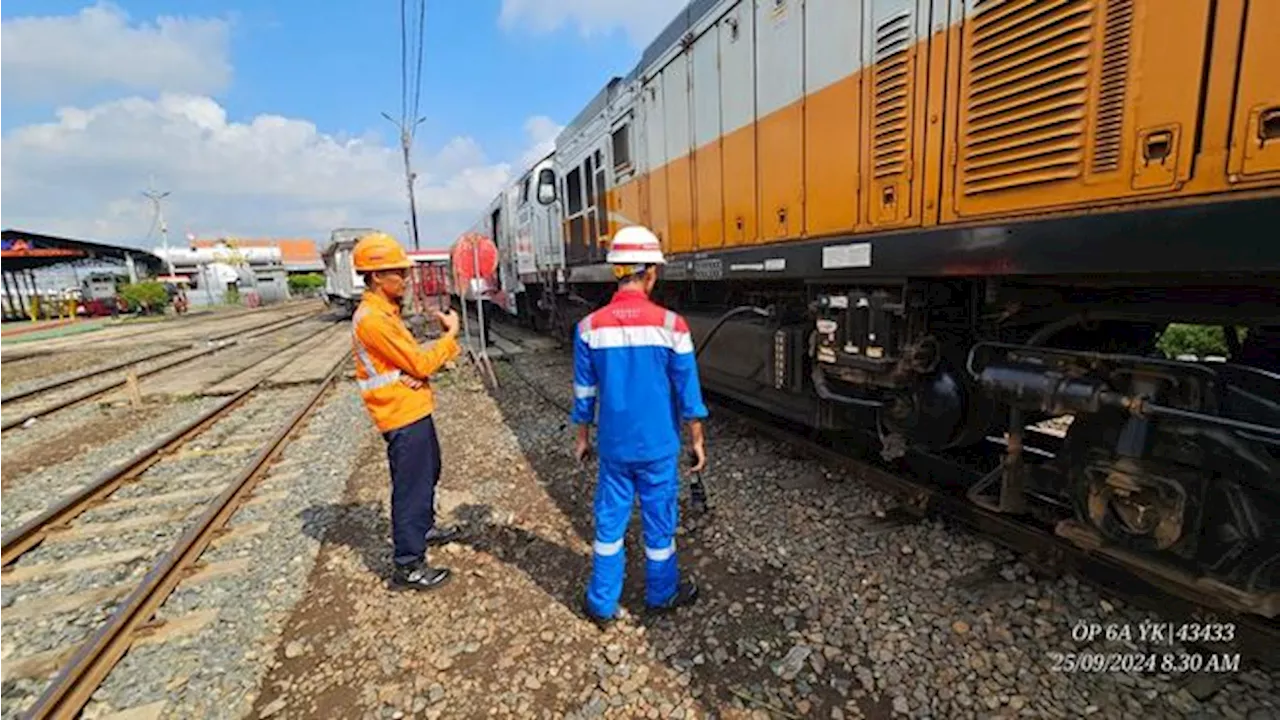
(956, 219)
(343, 286)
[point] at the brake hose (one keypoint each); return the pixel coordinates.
(697, 488)
(762, 312)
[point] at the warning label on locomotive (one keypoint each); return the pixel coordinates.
(846, 256)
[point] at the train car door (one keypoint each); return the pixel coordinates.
(1255, 143)
(780, 145)
(832, 131)
(895, 61)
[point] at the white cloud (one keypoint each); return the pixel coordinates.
(542, 132)
(59, 58)
(641, 20)
(82, 175)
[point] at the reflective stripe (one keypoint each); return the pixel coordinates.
(628, 336)
(606, 549)
(681, 342)
(584, 391)
(377, 381)
(374, 380)
(584, 327)
(660, 554)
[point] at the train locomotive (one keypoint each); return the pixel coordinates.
(952, 221)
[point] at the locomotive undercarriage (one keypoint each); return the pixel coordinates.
(1172, 467)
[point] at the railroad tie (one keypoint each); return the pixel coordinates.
(43, 663)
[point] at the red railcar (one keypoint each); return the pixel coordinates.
(429, 279)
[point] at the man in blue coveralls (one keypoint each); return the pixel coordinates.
(636, 358)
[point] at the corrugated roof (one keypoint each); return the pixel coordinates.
(24, 250)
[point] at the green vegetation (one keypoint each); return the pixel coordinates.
(148, 296)
(306, 284)
(1200, 340)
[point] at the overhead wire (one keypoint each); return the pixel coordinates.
(417, 75)
(410, 95)
(404, 65)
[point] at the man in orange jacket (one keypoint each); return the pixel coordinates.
(393, 373)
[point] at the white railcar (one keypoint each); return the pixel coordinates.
(343, 286)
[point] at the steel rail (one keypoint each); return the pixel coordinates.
(94, 392)
(45, 387)
(19, 541)
(142, 328)
(76, 682)
(240, 371)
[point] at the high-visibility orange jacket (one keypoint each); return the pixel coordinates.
(385, 352)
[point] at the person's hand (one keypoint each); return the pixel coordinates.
(413, 382)
(448, 321)
(699, 456)
(582, 446)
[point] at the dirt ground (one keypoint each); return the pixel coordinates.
(505, 636)
(101, 426)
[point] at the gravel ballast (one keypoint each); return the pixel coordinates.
(215, 671)
(819, 599)
(62, 452)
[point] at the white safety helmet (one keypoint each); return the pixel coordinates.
(635, 245)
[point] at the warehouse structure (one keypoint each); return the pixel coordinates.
(24, 252)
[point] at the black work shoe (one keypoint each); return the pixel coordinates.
(419, 577)
(442, 535)
(686, 594)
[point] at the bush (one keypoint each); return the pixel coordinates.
(1199, 340)
(149, 296)
(307, 283)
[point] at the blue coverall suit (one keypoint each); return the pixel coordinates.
(634, 360)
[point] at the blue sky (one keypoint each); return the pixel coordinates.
(498, 75)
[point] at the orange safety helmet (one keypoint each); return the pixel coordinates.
(380, 251)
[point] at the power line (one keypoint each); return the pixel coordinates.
(417, 74)
(407, 125)
(404, 65)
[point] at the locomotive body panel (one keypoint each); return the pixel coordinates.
(911, 187)
(858, 117)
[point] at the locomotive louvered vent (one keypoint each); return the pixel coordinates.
(1027, 95)
(1114, 77)
(893, 43)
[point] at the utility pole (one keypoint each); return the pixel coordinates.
(406, 142)
(155, 197)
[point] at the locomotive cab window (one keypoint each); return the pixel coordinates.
(622, 149)
(546, 186)
(573, 191)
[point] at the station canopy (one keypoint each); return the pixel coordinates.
(21, 250)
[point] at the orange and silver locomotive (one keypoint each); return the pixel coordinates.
(965, 218)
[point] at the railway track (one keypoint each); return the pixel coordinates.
(87, 578)
(170, 328)
(31, 403)
(163, 351)
(1255, 638)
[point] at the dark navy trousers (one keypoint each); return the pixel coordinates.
(413, 452)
